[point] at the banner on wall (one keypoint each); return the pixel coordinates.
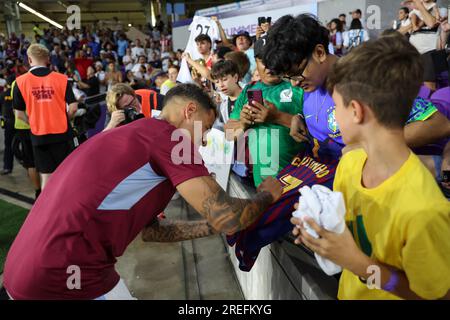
(244, 15)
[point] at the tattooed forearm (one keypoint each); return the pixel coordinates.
(230, 215)
(176, 230)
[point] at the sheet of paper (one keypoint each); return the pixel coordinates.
(218, 156)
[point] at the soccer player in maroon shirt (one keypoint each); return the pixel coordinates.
(110, 189)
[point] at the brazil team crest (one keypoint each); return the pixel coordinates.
(332, 124)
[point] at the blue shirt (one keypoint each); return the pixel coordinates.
(122, 46)
(320, 117)
(95, 46)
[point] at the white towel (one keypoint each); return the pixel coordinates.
(327, 208)
(184, 75)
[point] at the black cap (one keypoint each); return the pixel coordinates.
(242, 33)
(258, 48)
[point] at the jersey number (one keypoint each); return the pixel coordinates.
(201, 27)
(289, 182)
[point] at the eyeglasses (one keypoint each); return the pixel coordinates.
(299, 77)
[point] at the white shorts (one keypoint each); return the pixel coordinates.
(119, 292)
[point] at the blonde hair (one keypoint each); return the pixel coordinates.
(115, 93)
(38, 52)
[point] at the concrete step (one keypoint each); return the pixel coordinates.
(192, 270)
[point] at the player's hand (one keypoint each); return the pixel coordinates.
(299, 131)
(273, 186)
(263, 113)
(233, 129)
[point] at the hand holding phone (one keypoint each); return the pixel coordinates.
(254, 95)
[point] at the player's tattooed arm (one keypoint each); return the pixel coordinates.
(224, 213)
(168, 230)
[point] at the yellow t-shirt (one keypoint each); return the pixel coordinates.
(18, 124)
(404, 223)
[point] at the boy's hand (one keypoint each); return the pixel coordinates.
(217, 97)
(338, 248)
(263, 113)
(186, 56)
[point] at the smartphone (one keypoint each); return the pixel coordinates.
(254, 95)
(446, 176)
(261, 20)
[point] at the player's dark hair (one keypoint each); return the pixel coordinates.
(291, 40)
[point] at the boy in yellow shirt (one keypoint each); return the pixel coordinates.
(397, 243)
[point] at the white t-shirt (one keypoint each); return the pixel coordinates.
(136, 52)
(128, 62)
(201, 25)
(101, 77)
(156, 35)
(70, 40)
(355, 37)
(402, 24)
(138, 75)
(424, 41)
(150, 52)
(137, 66)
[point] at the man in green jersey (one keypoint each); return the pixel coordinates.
(271, 146)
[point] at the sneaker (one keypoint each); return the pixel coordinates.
(5, 172)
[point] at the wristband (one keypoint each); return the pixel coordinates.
(392, 283)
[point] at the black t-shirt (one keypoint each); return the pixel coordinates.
(19, 104)
(156, 64)
(94, 87)
(6, 106)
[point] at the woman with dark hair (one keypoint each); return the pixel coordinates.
(355, 36)
(336, 30)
